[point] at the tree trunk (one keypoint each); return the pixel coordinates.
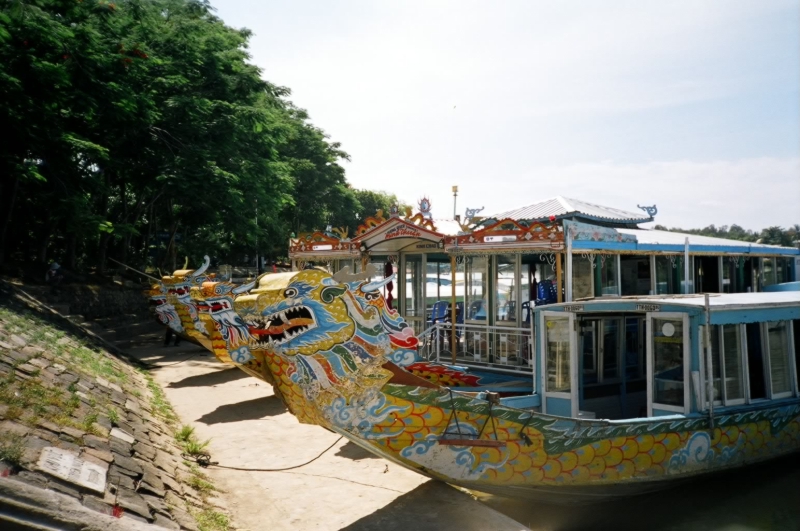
(12, 197)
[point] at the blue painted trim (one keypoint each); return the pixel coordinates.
(755, 315)
(560, 407)
(522, 402)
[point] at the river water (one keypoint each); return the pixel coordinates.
(759, 497)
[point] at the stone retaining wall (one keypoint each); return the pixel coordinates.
(79, 421)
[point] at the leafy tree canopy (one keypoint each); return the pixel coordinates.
(138, 130)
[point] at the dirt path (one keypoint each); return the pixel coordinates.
(347, 488)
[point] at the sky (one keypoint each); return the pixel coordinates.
(693, 106)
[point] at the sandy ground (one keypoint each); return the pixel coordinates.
(347, 488)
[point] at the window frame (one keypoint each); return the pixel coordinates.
(687, 384)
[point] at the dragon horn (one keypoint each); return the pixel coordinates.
(378, 284)
(206, 263)
(243, 288)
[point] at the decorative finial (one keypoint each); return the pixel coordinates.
(471, 212)
(651, 210)
(425, 207)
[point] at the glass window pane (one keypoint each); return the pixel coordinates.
(588, 345)
(779, 357)
(669, 274)
(581, 277)
(558, 363)
(715, 359)
(755, 361)
(734, 379)
(476, 287)
(525, 292)
(635, 273)
(608, 274)
(634, 330)
(611, 344)
(668, 361)
(414, 286)
(505, 292)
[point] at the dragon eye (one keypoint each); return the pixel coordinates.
(290, 293)
(371, 295)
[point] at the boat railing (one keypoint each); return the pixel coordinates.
(502, 348)
(429, 340)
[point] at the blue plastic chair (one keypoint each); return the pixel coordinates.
(547, 293)
(526, 309)
(439, 312)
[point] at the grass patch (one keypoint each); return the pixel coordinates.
(195, 447)
(113, 415)
(185, 434)
(211, 520)
(202, 486)
(159, 403)
(12, 447)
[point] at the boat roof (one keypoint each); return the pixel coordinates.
(717, 301)
(655, 237)
(560, 206)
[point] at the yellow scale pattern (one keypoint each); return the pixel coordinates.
(605, 461)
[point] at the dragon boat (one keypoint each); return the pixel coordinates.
(705, 384)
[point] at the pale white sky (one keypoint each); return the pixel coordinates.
(692, 105)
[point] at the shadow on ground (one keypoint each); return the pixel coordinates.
(255, 409)
(354, 452)
(212, 378)
(429, 502)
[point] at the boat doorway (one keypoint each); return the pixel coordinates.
(611, 358)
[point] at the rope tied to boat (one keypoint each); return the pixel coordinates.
(203, 459)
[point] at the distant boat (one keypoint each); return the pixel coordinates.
(618, 402)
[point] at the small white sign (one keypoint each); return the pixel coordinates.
(68, 466)
(122, 435)
(326, 247)
(499, 239)
(573, 308)
(648, 308)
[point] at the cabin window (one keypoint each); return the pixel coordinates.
(726, 354)
(668, 368)
(796, 342)
(558, 354)
(476, 292)
(755, 362)
(732, 355)
(670, 274)
(737, 274)
(611, 348)
(779, 362)
(635, 334)
(582, 271)
(635, 274)
(506, 288)
(414, 289)
(605, 275)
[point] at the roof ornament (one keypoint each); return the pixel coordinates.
(470, 218)
(651, 210)
(425, 207)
